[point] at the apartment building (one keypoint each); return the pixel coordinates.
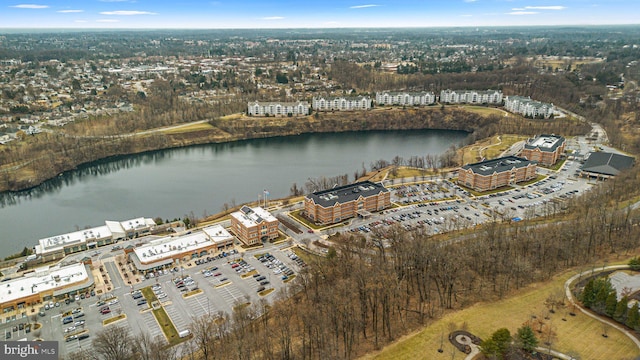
(496, 173)
(544, 149)
(405, 98)
(257, 108)
(252, 226)
(341, 103)
(527, 107)
(471, 96)
(345, 202)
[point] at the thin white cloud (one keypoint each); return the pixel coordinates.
(470, 1)
(558, 7)
(127, 12)
(522, 13)
(466, 15)
(30, 6)
(272, 18)
(114, 0)
(70, 11)
(363, 6)
(80, 21)
(108, 20)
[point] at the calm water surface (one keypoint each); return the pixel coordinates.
(172, 183)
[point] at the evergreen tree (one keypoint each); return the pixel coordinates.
(633, 317)
(611, 303)
(588, 294)
(620, 315)
(497, 346)
(527, 340)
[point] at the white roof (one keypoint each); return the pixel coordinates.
(545, 141)
(138, 223)
(42, 279)
(217, 234)
(58, 242)
(252, 216)
(166, 247)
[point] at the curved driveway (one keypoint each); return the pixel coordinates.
(613, 324)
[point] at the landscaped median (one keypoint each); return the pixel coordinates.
(111, 320)
(192, 293)
(169, 330)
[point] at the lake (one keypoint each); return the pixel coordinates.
(199, 179)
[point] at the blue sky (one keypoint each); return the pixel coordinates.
(312, 14)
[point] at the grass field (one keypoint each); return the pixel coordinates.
(579, 335)
(189, 128)
(483, 110)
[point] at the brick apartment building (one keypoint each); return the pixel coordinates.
(545, 149)
(252, 226)
(492, 174)
(344, 202)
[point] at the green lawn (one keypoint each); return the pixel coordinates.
(578, 335)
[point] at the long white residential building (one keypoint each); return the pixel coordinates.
(341, 103)
(471, 96)
(56, 247)
(405, 98)
(525, 106)
(257, 108)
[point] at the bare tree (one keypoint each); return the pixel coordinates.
(113, 343)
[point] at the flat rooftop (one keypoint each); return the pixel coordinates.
(498, 165)
(347, 193)
(58, 242)
(252, 216)
(166, 247)
(217, 234)
(548, 143)
(42, 279)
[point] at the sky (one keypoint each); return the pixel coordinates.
(230, 14)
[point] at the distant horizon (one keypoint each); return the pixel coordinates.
(290, 14)
(72, 29)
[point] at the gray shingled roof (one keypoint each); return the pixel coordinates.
(607, 163)
(498, 165)
(344, 194)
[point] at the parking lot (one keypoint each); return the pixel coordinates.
(214, 285)
(443, 206)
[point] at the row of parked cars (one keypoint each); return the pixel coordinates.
(276, 265)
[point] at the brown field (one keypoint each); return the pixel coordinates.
(578, 335)
(189, 128)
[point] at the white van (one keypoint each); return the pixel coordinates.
(184, 333)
